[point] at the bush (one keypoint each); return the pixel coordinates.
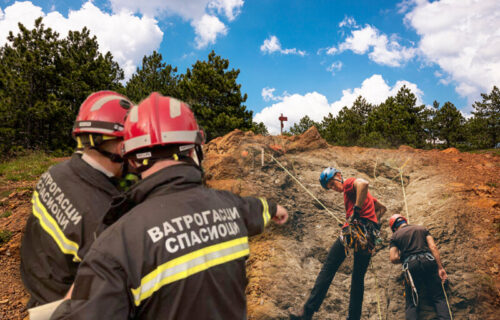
(5, 236)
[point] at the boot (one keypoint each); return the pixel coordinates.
(303, 316)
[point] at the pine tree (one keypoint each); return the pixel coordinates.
(215, 96)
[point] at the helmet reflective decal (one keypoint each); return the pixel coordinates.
(175, 108)
(179, 136)
(133, 115)
(137, 142)
(99, 103)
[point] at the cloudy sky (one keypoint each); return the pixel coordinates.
(298, 57)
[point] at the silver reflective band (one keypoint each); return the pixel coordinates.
(99, 103)
(100, 130)
(175, 108)
(137, 142)
(179, 136)
(186, 147)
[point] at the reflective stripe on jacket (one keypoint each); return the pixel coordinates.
(179, 254)
(68, 204)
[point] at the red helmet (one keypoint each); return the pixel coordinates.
(104, 113)
(396, 218)
(160, 121)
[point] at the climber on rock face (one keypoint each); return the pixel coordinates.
(359, 233)
(415, 248)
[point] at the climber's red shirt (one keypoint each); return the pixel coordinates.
(368, 208)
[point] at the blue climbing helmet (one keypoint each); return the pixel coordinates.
(326, 176)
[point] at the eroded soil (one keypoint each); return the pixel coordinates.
(455, 195)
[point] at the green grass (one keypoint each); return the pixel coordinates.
(27, 168)
(5, 236)
(6, 214)
(494, 152)
(5, 193)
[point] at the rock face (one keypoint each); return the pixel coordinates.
(455, 195)
(285, 260)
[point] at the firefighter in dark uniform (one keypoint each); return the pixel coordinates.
(71, 198)
(363, 211)
(180, 253)
(414, 247)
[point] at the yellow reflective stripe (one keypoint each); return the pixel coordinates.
(265, 211)
(189, 264)
(52, 228)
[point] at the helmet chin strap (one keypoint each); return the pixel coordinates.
(116, 158)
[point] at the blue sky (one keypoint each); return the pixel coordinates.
(299, 57)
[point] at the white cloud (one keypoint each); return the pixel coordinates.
(382, 50)
(295, 106)
(231, 8)
(334, 67)
(315, 105)
(463, 38)
(348, 21)
(207, 29)
(126, 36)
(272, 45)
(331, 51)
(200, 13)
(268, 95)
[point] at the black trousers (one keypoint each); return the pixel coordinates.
(335, 258)
(425, 274)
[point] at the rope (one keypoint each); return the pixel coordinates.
(446, 297)
(378, 295)
(408, 217)
(403, 187)
(375, 170)
(304, 187)
(338, 220)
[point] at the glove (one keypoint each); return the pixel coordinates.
(356, 214)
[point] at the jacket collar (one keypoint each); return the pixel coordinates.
(96, 178)
(166, 180)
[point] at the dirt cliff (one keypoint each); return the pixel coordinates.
(455, 195)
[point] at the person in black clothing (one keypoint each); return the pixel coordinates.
(180, 252)
(363, 210)
(414, 247)
(71, 198)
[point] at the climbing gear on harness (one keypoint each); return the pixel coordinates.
(360, 235)
(408, 277)
(409, 280)
(396, 220)
(162, 128)
(327, 175)
(416, 256)
(376, 228)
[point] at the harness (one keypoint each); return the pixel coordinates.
(407, 273)
(360, 235)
